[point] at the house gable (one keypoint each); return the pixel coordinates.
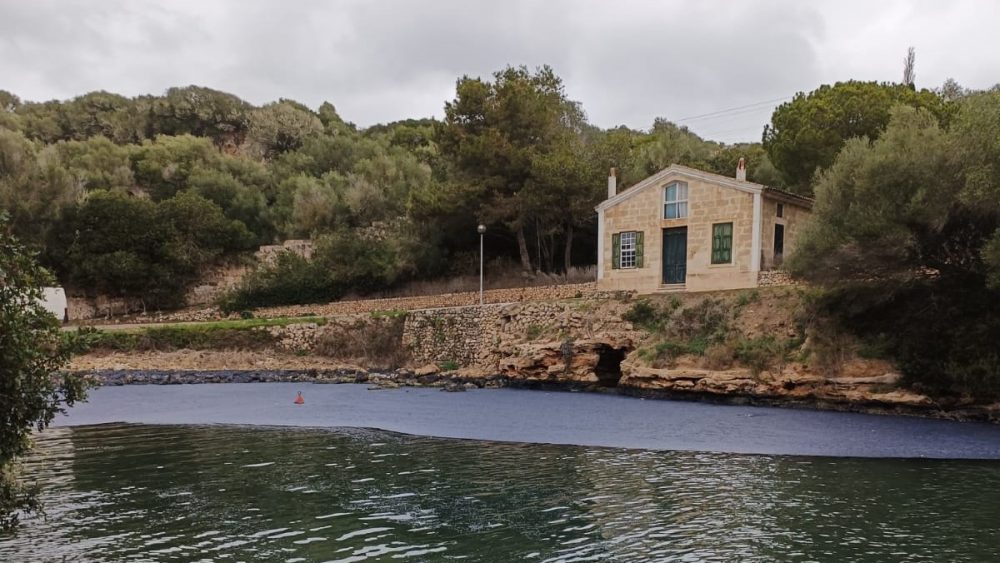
(676, 171)
(728, 230)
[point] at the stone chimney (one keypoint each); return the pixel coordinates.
(741, 170)
(612, 183)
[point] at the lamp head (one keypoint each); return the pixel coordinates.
(481, 229)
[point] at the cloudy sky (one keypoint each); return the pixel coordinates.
(628, 62)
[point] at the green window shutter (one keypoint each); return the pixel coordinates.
(638, 249)
(616, 250)
(722, 243)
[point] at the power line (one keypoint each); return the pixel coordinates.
(733, 109)
(737, 130)
(736, 113)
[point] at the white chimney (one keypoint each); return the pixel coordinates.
(741, 170)
(612, 184)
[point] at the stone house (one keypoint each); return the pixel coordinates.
(686, 229)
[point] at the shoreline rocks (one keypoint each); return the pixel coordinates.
(462, 380)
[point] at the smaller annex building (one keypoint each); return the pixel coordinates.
(686, 229)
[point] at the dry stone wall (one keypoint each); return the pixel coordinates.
(485, 336)
(463, 335)
(771, 278)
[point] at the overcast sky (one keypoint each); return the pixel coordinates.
(377, 61)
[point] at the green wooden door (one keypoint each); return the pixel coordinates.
(675, 255)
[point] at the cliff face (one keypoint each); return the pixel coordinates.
(760, 344)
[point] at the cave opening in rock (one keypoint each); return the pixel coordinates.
(609, 365)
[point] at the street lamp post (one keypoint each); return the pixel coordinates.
(482, 230)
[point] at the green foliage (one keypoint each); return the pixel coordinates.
(203, 112)
(653, 318)
(708, 321)
(291, 279)
(747, 297)
(505, 137)
(512, 152)
(340, 263)
(120, 245)
(448, 365)
(904, 238)
(534, 331)
(807, 133)
(888, 209)
(699, 325)
(663, 354)
(164, 165)
(281, 127)
(764, 353)
(372, 342)
(211, 336)
(32, 350)
(692, 330)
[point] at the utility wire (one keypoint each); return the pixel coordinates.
(737, 130)
(733, 109)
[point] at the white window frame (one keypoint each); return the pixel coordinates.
(679, 203)
(627, 247)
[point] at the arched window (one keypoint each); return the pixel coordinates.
(675, 200)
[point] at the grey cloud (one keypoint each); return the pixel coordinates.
(627, 62)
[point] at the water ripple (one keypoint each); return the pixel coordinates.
(174, 493)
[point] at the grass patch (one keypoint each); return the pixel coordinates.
(178, 338)
(229, 334)
(765, 353)
(747, 297)
(389, 314)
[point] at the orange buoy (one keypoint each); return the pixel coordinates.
(299, 399)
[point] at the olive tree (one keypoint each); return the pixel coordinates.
(32, 390)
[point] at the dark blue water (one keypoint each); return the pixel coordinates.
(223, 493)
(545, 417)
(531, 481)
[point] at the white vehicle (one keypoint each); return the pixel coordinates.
(54, 301)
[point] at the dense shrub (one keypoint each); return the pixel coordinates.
(340, 264)
(182, 338)
(375, 342)
(942, 336)
(706, 322)
(290, 279)
(643, 313)
(763, 353)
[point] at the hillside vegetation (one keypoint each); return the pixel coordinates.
(137, 196)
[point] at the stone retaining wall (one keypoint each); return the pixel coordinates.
(484, 335)
(461, 299)
(770, 278)
(85, 308)
(463, 335)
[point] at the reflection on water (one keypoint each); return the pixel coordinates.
(172, 493)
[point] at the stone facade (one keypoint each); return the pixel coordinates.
(712, 200)
(793, 219)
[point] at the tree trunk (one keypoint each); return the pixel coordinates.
(568, 254)
(522, 247)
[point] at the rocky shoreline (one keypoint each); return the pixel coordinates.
(462, 380)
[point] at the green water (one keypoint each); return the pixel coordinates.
(177, 493)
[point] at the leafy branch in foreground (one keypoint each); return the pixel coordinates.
(32, 390)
